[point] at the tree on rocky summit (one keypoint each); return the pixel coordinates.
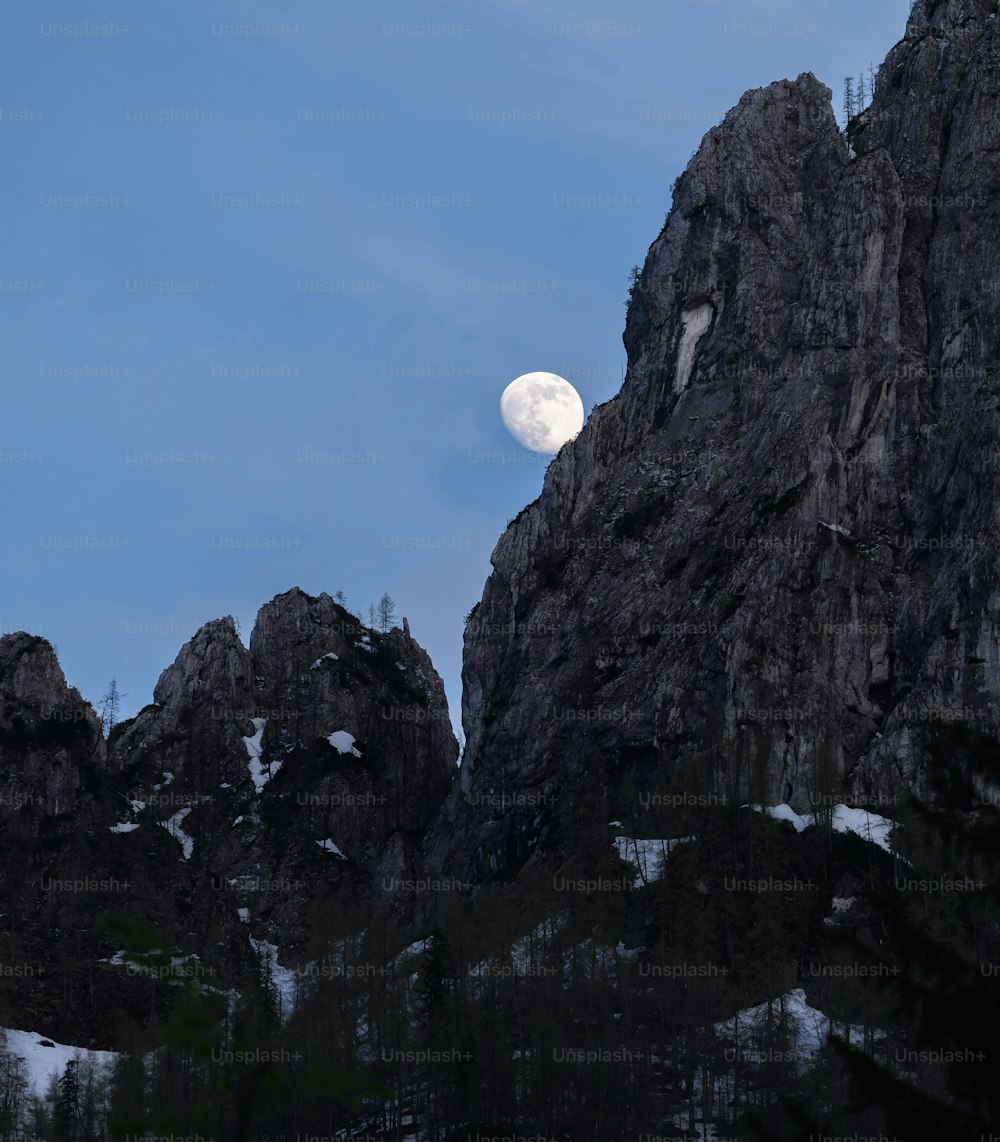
(383, 616)
(110, 705)
(849, 99)
(386, 613)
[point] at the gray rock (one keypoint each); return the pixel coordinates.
(50, 738)
(768, 565)
(225, 793)
(202, 706)
(315, 814)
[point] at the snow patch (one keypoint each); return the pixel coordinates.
(329, 656)
(343, 742)
(118, 959)
(42, 1063)
(173, 827)
(124, 827)
(809, 1027)
(329, 847)
(869, 826)
(786, 813)
(260, 774)
(417, 948)
(840, 905)
(284, 978)
(182, 975)
(245, 882)
(244, 914)
(648, 856)
(695, 322)
(835, 527)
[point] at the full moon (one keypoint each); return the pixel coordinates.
(542, 411)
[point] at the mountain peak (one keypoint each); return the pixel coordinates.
(767, 563)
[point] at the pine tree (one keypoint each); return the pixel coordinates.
(848, 99)
(110, 705)
(434, 979)
(66, 1118)
(37, 1121)
(93, 1084)
(386, 613)
(13, 1088)
(267, 987)
(127, 1087)
(634, 281)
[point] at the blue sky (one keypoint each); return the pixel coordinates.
(268, 267)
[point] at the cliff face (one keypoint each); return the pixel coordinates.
(319, 710)
(314, 760)
(265, 793)
(319, 671)
(768, 565)
(50, 738)
(52, 774)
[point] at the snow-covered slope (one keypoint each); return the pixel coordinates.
(846, 819)
(45, 1058)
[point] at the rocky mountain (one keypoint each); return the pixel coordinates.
(766, 567)
(710, 656)
(321, 732)
(48, 728)
(263, 791)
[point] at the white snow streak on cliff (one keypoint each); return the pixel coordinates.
(173, 827)
(696, 322)
(260, 774)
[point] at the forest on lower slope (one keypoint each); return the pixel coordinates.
(589, 1001)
